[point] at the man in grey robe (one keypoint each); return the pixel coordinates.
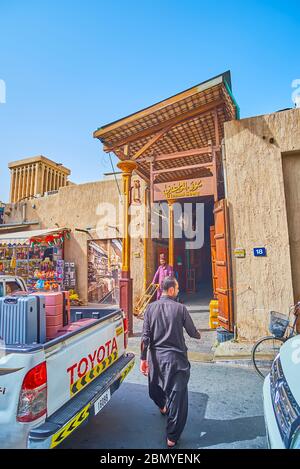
(164, 357)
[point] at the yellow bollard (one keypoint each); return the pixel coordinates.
(213, 314)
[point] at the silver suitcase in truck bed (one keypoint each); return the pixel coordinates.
(22, 319)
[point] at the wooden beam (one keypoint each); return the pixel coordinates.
(216, 124)
(125, 151)
(183, 154)
(142, 175)
(182, 168)
(191, 114)
(150, 142)
(151, 181)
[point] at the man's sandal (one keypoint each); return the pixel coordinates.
(171, 444)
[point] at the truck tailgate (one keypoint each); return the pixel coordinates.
(76, 361)
(83, 406)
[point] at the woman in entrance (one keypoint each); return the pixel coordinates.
(164, 270)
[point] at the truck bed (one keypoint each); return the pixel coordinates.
(97, 314)
(80, 367)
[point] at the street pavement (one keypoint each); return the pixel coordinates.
(225, 411)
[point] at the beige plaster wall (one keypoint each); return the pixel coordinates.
(258, 216)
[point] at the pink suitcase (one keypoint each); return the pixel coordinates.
(54, 313)
(52, 298)
(54, 321)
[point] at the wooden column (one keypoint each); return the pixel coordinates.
(32, 185)
(46, 179)
(29, 181)
(50, 185)
(171, 232)
(20, 187)
(23, 182)
(36, 175)
(27, 178)
(51, 180)
(12, 185)
(15, 185)
(126, 296)
(146, 234)
(18, 190)
(43, 170)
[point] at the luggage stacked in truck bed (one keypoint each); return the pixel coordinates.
(57, 312)
(22, 320)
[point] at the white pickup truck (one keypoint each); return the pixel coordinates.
(47, 391)
(10, 284)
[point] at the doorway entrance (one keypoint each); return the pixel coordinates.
(192, 262)
(204, 273)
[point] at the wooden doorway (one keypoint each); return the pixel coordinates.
(223, 265)
(213, 259)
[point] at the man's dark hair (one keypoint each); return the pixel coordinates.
(168, 282)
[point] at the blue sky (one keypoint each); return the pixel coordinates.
(71, 66)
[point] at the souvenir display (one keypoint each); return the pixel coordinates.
(40, 263)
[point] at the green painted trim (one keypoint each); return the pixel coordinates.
(237, 108)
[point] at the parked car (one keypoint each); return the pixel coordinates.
(281, 395)
(48, 390)
(9, 284)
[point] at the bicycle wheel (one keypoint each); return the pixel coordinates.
(264, 353)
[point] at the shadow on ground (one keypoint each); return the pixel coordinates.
(131, 420)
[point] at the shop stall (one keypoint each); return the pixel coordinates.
(37, 257)
(104, 266)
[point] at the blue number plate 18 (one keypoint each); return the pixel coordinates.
(260, 252)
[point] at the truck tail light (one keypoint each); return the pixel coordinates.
(125, 326)
(33, 395)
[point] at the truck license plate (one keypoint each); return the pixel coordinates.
(102, 401)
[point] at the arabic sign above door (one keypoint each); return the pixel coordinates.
(180, 189)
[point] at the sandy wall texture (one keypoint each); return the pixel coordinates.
(259, 192)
